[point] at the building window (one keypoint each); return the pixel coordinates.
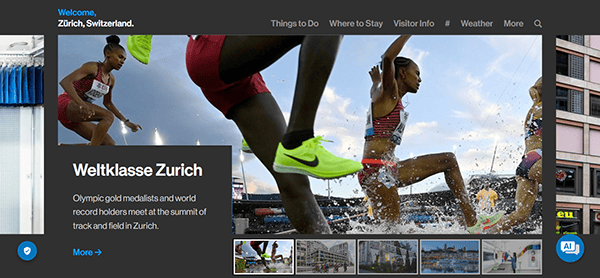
(595, 229)
(562, 63)
(595, 181)
(594, 141)
(576, 39)
(576, 66)
(569, 100)
(594, 71)
(594, 105)
(569, 65)
(568, 221)
(562, 99)
(568, 180)
(595, 41)
(569, 138)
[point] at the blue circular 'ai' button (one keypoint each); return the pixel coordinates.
(27, 250)
(570, 248)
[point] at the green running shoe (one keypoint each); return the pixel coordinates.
(245, 147)
(140, 46)
(476, 229)
(313, 160)
(485, 222)
(491, 220)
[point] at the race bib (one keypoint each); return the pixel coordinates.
(97, 91)
(397, 135)
(369, 127)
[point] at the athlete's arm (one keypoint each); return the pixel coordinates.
(107, 101)
(387, 63)
(87, 69)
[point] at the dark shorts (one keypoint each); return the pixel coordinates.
(202, 61)
(529, 159)
(256, 244)
(63, 102)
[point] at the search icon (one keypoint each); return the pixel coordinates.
(537, 23)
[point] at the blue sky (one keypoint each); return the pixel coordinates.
(283, 248)
(474, 96)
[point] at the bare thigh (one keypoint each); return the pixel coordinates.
(535, 172)
(74, 114)
(86, 130)
(419, 168)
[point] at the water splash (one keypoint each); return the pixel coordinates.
(357, 227)
(278, 267)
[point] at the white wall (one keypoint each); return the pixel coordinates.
(21, 170)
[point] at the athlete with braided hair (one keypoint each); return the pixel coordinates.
(529, 171)
(93, 80)
(386, 121)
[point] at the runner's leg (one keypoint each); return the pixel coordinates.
(95, 133)
(419, 168)
(262, 124)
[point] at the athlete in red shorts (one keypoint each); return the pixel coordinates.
(93, 80)
(227, 68)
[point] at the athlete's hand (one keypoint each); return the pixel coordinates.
(375, 75)
(133, 127)
(86, 111)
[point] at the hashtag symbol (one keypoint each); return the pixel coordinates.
(447, 23)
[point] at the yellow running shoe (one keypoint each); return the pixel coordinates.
(140, 46)
(313, 160)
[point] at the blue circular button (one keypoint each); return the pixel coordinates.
(570, 248)
(27, 250)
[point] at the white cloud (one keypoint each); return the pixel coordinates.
(337, 122)
(418, 128)
(497, 66)
(461, 114)
(257, 186)
(417, 55)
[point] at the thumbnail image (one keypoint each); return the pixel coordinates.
(389, 257)
(511, 256)
(263, 256)
(325, 257)
(577, 134)
(450, 256)
(22, 134)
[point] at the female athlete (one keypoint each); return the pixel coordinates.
(93, 80)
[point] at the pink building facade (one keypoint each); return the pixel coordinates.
(578, 134)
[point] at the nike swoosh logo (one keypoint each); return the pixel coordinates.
(313, 163)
